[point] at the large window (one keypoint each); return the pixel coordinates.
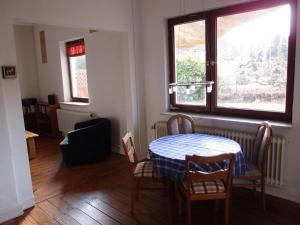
(77, 70)
(248, 51)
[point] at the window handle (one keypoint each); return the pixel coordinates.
(211, 63)
(209, 87)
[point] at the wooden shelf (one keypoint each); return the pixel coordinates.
(40, 117)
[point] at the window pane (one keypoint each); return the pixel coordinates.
(190, 58)
(252, 53)
(79, 77)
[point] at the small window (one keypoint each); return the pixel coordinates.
(77, 70)
(247, 51)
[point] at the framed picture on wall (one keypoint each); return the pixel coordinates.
(9, 72)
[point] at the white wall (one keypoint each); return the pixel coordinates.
(15, 183)
(106, 67)
(147, 45)
(114, 15)
(26, 61)
(154, 15)
(50, 76)
(107, 60)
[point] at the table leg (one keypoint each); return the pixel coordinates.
(171, 201)
(31, 148)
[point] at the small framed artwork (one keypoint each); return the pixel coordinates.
(9, 72)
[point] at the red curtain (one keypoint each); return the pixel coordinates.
(75, 48)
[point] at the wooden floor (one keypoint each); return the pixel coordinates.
(100, 194)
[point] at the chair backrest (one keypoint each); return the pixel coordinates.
(129, 148)
(224, 173)
(261, 145)
(180, 124)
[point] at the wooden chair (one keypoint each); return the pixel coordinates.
(256, 166)
(208, 185)
(180, 124)
(140, 171)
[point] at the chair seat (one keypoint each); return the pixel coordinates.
(251, 171)
(144, 169)
(240, 182)
(206, 187)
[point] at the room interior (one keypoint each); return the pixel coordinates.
(128, 82)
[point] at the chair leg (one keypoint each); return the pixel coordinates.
(254, 187)
(176, 197)
(216, 211)
(189, 212)
(165, 187)
(263, 197)
(226, 211)
(179, 202)
(133, 196)
(137, 190)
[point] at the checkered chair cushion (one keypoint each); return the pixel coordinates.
(252, 174)
(206, 187)
(144, 169)
(252, 170)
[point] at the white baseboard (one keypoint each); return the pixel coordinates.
(16, 210)
(117, 149)
(10, 213)
(284, 192)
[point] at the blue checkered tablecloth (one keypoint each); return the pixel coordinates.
(168, 153)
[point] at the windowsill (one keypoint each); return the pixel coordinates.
(231, 119)
(75, 103)
(75, 106)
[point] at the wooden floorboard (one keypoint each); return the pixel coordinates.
(100, 194)
(56, 213)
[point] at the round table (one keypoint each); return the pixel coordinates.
(168, 153)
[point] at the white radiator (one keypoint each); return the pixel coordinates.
(67, 118)
(275, 162)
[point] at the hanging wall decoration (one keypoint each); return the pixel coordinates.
(9, 72)
(43, 46)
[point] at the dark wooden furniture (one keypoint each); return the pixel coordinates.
(201, 185)
(29, 113)
(40, 117)
(180, 124)
(47, 119)
(256, 166)
(140, 171)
